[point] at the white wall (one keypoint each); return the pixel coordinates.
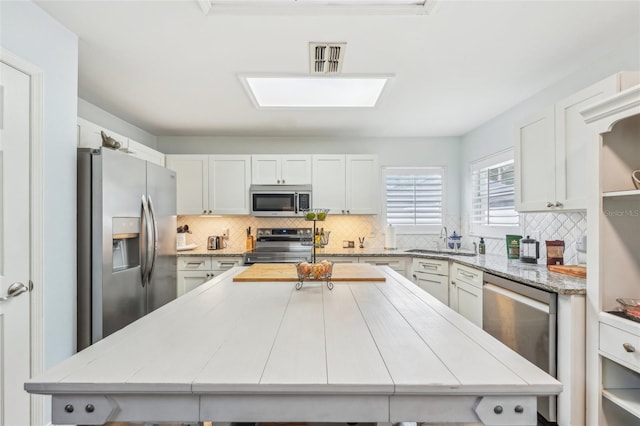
(444, 151)
(97, 115)
(33, 35)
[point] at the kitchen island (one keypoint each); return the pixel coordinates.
(262, 351)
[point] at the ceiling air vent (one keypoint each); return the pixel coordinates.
(326, 58)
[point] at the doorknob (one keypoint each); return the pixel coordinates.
(15, 289)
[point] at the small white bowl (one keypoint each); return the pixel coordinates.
(635, 176)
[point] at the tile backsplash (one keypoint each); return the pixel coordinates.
(549, 226)
(342, 227)
(546, 226)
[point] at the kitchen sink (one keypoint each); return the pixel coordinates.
(459, 252)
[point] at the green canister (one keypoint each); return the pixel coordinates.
(513, 246)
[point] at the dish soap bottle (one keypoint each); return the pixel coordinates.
(481, 246)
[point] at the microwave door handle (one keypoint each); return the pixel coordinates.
(296, 202)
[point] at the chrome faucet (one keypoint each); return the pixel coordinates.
(443, 236)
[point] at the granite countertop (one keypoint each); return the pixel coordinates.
(535, 275)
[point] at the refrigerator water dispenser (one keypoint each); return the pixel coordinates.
(126, 243)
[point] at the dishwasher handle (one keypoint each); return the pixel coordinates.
(542, 307)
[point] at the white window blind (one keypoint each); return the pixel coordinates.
(493, 191)
(414, 196)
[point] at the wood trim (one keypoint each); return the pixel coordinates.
(37, 223)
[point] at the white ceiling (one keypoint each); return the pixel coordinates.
(168, 68)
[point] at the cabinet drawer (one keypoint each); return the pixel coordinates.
(620, 345)
(195, 263)
(432, 266)
(223, 264)
(468, 275)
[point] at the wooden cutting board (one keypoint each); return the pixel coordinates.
(265, 272)
(573, 270)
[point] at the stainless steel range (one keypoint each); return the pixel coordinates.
(281, 245)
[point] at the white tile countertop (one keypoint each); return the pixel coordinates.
(535, 275)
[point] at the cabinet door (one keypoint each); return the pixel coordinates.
(435, 285)
(266, 169)
(329, 183)
(229, 181)
(296, 169)
(143, 152)
(573, 137)
(466, 299)
(188, 280)
(192, 175)
(534, 162)
(363, 189)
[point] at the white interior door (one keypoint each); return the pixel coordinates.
(14, 246)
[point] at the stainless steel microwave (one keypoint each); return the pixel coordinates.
(280, 200)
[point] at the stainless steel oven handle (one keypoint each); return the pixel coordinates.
(517, 297)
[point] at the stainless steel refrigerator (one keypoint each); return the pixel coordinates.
(126, 241)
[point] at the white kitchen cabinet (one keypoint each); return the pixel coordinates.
(143, 152)
(281, 169)
(337, 259)
(398, 264)
(192, 176)
(229, 181)
(551, 149)
(212, 184)
(465, 292)
(196, 270)
(432, 275)
(346, 184)
(90, 136)
(613, 342)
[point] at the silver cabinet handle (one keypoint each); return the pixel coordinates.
(466, 274)
(549, 204)
(15, 289)
(453, 283)
(195, 263)
(628, 347)
(428, 266)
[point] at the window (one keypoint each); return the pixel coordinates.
(414, 198)
(493, 195)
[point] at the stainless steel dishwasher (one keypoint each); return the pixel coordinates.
(524, 319)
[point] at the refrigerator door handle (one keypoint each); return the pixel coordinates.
(154, 229)
(144, 241)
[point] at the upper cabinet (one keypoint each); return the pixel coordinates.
(192, 173)
(90, 136)
(346, 184)
(229, 181)
(551, 149)
(212, 184)
(281, 169)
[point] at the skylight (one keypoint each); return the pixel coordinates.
(418, 7)
(315, 92)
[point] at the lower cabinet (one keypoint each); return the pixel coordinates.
(432, 275)
(465, 292)
(196, 270)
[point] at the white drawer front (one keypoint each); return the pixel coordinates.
(195, 263)
(223, 264)
(620, 345)
(469, 275)
(397, 263)
(432, 266)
